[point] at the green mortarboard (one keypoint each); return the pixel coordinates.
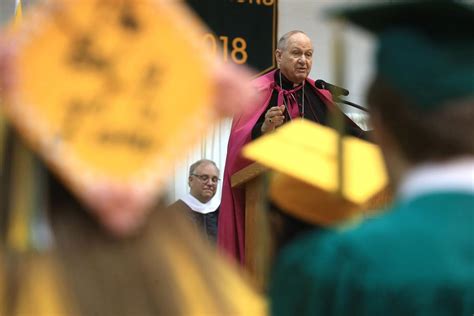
(426, 48)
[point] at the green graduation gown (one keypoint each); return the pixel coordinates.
(416, 259)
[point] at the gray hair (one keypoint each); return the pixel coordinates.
(283, 41)
(201, 162)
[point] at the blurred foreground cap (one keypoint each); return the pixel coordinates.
(425, 50)
(100, 89)
(304, 157)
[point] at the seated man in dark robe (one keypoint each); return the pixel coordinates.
(199, 204)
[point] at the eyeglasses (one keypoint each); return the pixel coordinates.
(205, 178)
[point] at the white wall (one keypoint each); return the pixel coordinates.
(308, 16)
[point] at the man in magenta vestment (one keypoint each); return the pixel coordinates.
(286, 93)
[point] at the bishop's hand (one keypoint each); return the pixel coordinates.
(273, 118)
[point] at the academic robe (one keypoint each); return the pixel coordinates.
(231, 227)
(416, 259)
(204, 223)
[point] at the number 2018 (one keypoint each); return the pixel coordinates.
(236, 48)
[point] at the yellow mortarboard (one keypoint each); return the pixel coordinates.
(97, 89)
(304, 157)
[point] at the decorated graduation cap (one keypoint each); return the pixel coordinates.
(305, 182)
(96, 88)
(425, 48)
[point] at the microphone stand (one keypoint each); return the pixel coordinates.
(339, 100)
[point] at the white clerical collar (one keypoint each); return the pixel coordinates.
(198, 206)
(456, 175)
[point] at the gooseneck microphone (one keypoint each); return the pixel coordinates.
(335, 90)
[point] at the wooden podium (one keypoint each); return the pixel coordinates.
(256, 250)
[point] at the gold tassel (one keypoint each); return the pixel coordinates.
(21, 196)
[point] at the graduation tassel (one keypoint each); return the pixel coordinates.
(27, 202)
(3, 132)
(337, 118)
(17, 229)
(18, 13)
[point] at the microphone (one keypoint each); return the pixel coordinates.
(337, 91)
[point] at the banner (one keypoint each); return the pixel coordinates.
(246, 30)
